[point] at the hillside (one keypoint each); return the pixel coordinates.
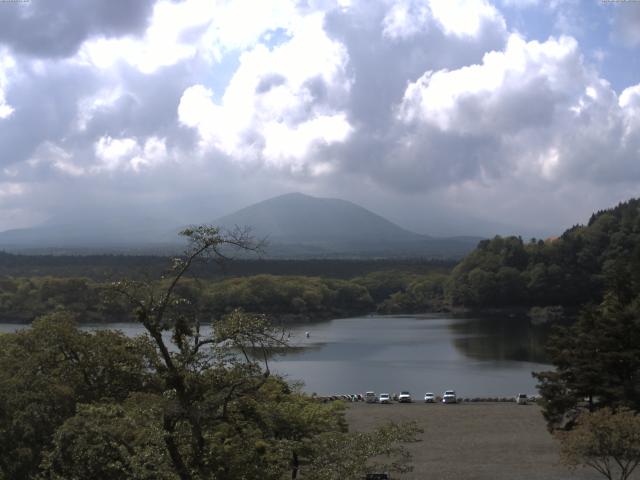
(571, 270)
(300, 225)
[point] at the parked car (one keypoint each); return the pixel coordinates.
(404, 397)
(370, 397)
(384, 398)
(521, 399)
(449, 397)
(429, 398)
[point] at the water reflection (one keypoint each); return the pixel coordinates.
(501, 338)
(475, 356)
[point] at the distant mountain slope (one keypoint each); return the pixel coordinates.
(295, 225)
(301, 225)
(91, 236)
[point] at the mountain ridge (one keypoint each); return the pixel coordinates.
(328, 227)
(295, 225)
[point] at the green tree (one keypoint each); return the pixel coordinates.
(45, 372)
(597, 359)
(606, 441)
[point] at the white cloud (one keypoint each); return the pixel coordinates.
(127, 153)
(153, 153)
(436, 97)
(465, 17)
(280, 103)
(462, 18)
(406, 18)
(7, 65)
(534, 111)
(182, 30)
(629, 102)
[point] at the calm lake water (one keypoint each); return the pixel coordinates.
(475, 357)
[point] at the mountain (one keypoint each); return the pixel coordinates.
(297, 225)
(142, 235)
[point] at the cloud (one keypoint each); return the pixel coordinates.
(520, 3)
(183, 30)
(462, 18)
(7, 64)
(129, 153)
(533, 110)
(457, 100)
(57, 29)
(175, 106)
(280, 103)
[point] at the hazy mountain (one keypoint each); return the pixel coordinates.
(301, 225)
(295, 225)
(91, 236)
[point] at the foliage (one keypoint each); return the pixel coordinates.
(307, 297)
(576, 268)
(23, 299)
(349, 456)
(423, 294)
(597, 359)
(281, 297)
(45, 372)
(607, 441)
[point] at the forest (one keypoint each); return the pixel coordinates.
(571, 270)
(284, 298)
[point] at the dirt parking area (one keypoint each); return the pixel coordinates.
(473, 441)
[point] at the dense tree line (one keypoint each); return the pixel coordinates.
(102, 268)
(282, 297)
(571, 270)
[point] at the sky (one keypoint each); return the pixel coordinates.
(448, 117)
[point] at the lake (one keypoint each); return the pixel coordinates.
(484, 357)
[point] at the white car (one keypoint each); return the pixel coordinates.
(384, 398)
(404, 397)
(370, 397)
(521, 399)
(449, 397)
(429, 398)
